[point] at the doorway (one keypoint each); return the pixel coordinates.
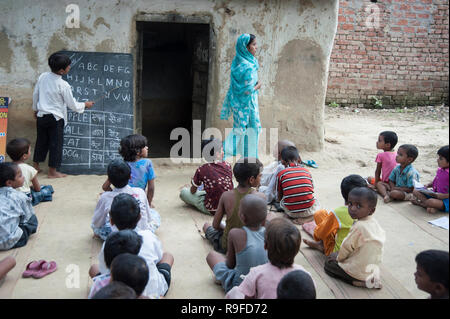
(172, 77)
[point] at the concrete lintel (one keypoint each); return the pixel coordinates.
(173, 18)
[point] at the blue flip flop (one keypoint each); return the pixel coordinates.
(311, 163)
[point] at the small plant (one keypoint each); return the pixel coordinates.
(377, 102)
(333, 104)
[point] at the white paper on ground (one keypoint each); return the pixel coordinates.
(440, 222)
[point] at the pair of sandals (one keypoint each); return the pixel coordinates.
(39, 269)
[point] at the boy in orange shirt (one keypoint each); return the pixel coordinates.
(330, 228)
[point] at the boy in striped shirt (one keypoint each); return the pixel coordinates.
(296, 188)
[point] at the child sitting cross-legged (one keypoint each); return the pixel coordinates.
(124, 241)
(247, 172)
(210, 180)
(330, 228)
(125, 214)
(245, 245)
(432, 273)
(19, 150)
(438, 198)
(17, 219)
(119, 175)
(401, 180)
(296, 188)
(358, 260)
(282, 242)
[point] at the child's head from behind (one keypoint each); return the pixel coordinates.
(119, 173)
(350, 182)
(253, 210)
(406, 154)
(296, 284)
(132, 270)
(432, 272)
(362, 202)
(59, 63)
(281, 145)
(248, 171)
(282, 241)
(212, 150)
(115, 290)
(125, 212)
(443, 161)
(18, 149)
(387, 140)
(133, 147)
(11, 175)
(290, 155)
(120, 242)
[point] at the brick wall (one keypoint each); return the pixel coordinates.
(395, 50)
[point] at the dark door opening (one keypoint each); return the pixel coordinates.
(173, 79)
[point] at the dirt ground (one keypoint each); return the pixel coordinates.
(65, 236)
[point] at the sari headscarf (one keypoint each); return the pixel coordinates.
(242, 100)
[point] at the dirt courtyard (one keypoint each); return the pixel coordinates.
(65, 236)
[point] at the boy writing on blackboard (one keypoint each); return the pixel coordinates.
(52, 95)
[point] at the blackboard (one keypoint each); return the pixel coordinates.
(91, 139)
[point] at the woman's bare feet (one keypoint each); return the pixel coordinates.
(53, 173)
(314, 244)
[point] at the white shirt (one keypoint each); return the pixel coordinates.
(269, 180)
(151, 251)
(52, 95)
(150, 218)
(28, 172)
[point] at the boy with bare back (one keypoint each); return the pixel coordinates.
(247, 172)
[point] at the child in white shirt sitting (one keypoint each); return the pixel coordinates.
(118, 174)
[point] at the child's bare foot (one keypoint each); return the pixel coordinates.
(431, 210)
(309, 228)
(56, 175)
(314, 244)
(387, 199)
(371, 284)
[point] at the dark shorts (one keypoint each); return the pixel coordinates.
(165, 269)
(333, 269)
(215, 238)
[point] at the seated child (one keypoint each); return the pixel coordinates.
(401, 180)
(296, 284)
(19, 150)
(282, 242)
(124, 241)
(125, 214)
(17, 218)
(385, 160)
(432, 273)
(330, 229)
(131, 270)
(269, 174)
(438, 199)
(245, 245)
(115, 290)
(295, 188)
(213, 178)
(6, 264)
(247, 172)
(134, 151)
(357, 262)
(119, 174)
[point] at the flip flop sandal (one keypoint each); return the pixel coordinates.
(311, 163)
(46, 268)
(32, 267)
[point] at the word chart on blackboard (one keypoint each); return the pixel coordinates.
(92, 138)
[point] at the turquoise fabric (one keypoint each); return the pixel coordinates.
(242, 102)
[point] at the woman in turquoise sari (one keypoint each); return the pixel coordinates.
(242, 101)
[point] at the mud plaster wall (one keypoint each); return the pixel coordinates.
(295, 39)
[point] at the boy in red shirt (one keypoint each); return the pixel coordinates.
(296, 188)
